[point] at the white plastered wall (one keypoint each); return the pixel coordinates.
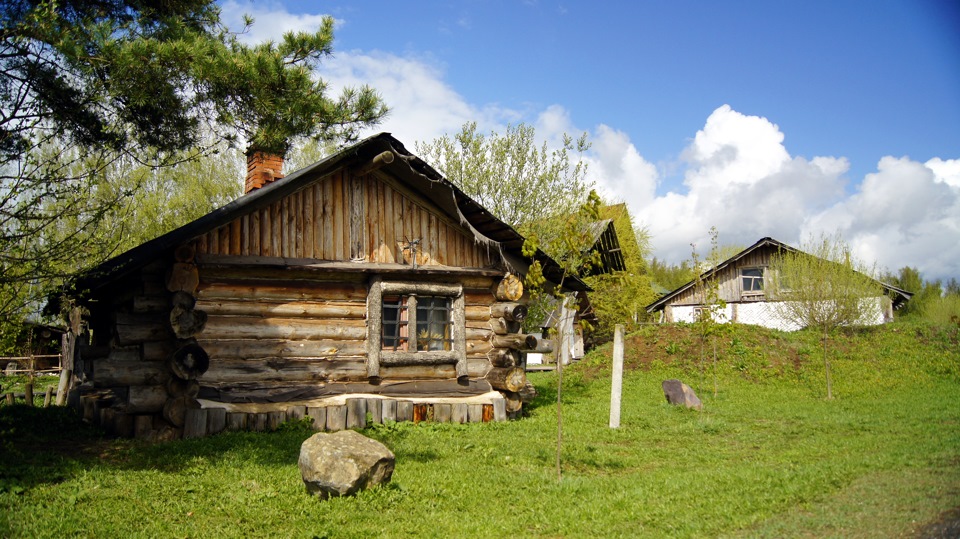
(764, 314)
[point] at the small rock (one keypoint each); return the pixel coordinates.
(679, 393)
(343, 463)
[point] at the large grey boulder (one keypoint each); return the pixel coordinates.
(343, 463)
(679, 393)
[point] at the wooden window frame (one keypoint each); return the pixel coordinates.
(752, 293)
(377, 357)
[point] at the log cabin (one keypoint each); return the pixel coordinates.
(740, 285)
(365, 286)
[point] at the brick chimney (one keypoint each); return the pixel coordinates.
(262, 168)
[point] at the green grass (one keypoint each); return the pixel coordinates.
(767, 457)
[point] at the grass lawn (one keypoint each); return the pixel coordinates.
(767, 457)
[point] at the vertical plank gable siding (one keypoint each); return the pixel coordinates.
(729, 278)
(344, 218)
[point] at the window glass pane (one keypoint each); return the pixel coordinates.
(752, 279)
(434, 323)
(395, 317)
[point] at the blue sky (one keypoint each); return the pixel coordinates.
(783, 119)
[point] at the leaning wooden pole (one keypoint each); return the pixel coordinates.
(616, 386)
(67, 352)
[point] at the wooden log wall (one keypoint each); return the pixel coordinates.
(343, 217)
(175, 325)
(276, 333)
(126, 355)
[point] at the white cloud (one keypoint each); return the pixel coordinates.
(734, 149)
(946, 171)
(619, 169)
(271, 20)
(741, 179)
(422, 106)
(906, 213)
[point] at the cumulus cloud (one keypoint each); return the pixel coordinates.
(422, 105)
(906, 213)
(740, 178)
(619, 169)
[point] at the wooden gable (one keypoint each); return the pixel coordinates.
(728, 278)
(345, 216)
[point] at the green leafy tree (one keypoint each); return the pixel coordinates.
(932, 300)
(271, 92)
(822, 287)
(575, 258)
(924, 292)
(527, 186)
(90, 87)
(709, 319)
(668, 276)
(158, 200)
(619, 297)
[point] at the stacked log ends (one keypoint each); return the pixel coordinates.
(178, 387)
(507, 378)
(503, 357)
(189, 361)
(183, 281)
(516, 341)
(185, 253)
(514, 312)
(175, 409)
(187, 323)
(183, 300)
(509, 289)
(183, 277)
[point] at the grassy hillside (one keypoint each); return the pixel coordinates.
(767, 457)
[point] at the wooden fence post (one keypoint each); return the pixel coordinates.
(616, 387)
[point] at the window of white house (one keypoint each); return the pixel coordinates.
(415, 324)
(751, 281)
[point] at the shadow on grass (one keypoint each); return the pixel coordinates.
(51, 445)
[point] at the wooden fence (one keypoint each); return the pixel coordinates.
(12, 367)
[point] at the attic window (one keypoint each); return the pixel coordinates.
(415, 324)
(751, 281)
